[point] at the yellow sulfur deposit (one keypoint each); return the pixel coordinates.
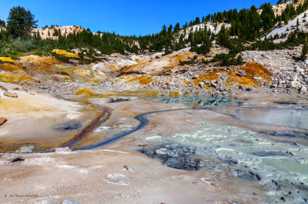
(64, 53)
(39, 63)
(174, 94)
(15, 77)
(82, 73)
(143, 80)
(6, 60)
(139, 93)
(10, 67)
(181, 57)
(85, 92)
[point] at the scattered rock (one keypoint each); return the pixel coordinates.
(26, 149)
(247, 175)
(296, 83)
(63, 150)
(10, 94)
(303, 90)
(175, 156)
(154, 138)
(2, 121)
(118, 100)
(17, 160)
(68, 126)
(117, 179)
(125, 167)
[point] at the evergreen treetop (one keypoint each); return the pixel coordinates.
(20, 22)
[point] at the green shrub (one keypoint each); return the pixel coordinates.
(228, 59)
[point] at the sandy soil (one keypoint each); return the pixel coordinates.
(110, 176)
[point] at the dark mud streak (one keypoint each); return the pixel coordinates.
(100, 118)
(143, 121)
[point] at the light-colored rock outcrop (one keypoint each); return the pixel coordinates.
(299, 24)
(53, 32)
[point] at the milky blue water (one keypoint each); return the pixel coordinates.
(280, 167)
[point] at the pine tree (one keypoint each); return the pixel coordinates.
(177, 27)
(305, 49)
(201, 41)
(267, 16)
(254, 23)
(2, 23)
(223, 37)
(163, 30)
(170, 29)
(20, 22)
(197, 21)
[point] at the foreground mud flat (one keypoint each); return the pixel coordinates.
(95, 177)
(157, 150)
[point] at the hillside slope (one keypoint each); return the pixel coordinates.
(299, 24)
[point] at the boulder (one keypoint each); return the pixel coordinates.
(2, 121)
(117, 179)
(10, 94)
(17, 160)
(118, 99)
(303, 90)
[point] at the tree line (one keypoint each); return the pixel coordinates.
(245, 26)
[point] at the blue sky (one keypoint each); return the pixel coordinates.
(126, 17)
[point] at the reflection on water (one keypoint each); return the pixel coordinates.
(289, 117)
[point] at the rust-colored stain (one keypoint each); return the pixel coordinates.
(253, 69)
(253, 74)
(143, 80)
(249, 75)
(210, 75)
(235, 79)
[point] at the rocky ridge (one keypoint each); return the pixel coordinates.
(179, 73)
